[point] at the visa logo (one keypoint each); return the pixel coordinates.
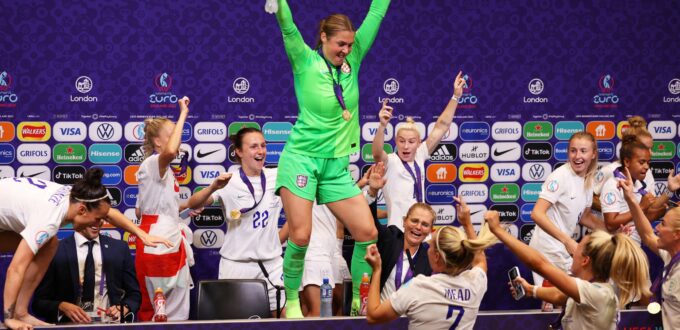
(505, 171)
(209, 174)
(70, 131)
(663, 130)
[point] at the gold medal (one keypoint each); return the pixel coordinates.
(346, 115)
(235, 214)
(345, 68)
(654, 308)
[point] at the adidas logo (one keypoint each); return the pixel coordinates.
(444, 153)
(136, 157)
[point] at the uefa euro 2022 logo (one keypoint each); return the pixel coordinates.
(163, 98)
(606, 97)
(7, 98)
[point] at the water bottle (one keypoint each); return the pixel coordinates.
(159, 306)
(326, 299)
(363, 294)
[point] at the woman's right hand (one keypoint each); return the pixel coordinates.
(373, 257)
(528, 288)
(184, 104)
(385, 113)
(462, 210)
(458, 85)
(221, 181)
(493, 218)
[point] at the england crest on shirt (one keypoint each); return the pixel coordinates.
(301, 181)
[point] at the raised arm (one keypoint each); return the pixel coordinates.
(540, 216)
(204, 197)
(119, 220)
(368, 30)
(642, 225)
(292, 39)
(446, 117)
(538, 263)
(385, 115)
(463, 212)
(377, 312)
(171, 149)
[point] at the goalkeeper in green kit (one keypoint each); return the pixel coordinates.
(314, 162)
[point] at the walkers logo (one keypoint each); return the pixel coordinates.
(606, 99)
(441, 173)
(530, 191)
(507, 212)
(234, 127)
(467, 100)
(7, 153)
(536, 171)
(276, 131)
(7, 98)
(210, 217)
(274, 151)
(663, 150)
(538, 130)
(210, 153)
(525, 212)
(41, 172)
(505, 151)
(537, 151)
(240, 86)
(83, 85)
(370, 129)
(6, 131)
(391, 87)
(105, 131)
(113, 175)
(562, 151)
(565, 129)
(504, 192)
(210, 131)
(68, 174)
(163, 98)
(206, 174)
(134, 153)
(130, 196)
(663, 129)
(6, 171)
(605, 150)
(367, 152)
(69, 153)
(473, 172)
(34, 153)
(130, 175)
(131, 239)
(505, 172)
(473, 193)
(446, 214)
(208, 238)
(536, 87)
(440, 194)
(475, 131)
(105, 153)
(70, 131)
(506, 131)
(34, 131)
(450, 135)
(601, 130)
(445, 152)
(474, 152)
(134, 131)
(621, 127)
(674, 89)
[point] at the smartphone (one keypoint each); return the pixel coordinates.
(185, 213)
(513, 273)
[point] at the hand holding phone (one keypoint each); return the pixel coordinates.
(513, 274)
(185, 213)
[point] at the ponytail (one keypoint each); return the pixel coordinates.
(458, 250)
(89, 190)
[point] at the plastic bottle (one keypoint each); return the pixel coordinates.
(159, 306)
(326, 299)
(546, 306)
(363, 294)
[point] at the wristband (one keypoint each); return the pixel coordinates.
(535, 291)
(455, 98)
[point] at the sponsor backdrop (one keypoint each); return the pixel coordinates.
(78, 78)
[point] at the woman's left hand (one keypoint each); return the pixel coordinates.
(153, 241)
(373, 256)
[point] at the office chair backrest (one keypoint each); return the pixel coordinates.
(232, 299)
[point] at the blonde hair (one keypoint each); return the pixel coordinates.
(152, 127)
(457, 250)
(675, 218)
(423, 206)
(592, 168)
(637, 127)
(409, 125)
(333, 24)
(619, 258)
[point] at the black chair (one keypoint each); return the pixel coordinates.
(346, 297)
(233, 299)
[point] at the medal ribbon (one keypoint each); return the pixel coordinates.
(658, 282)
(400, 266)
(263, 183)
(619, 175)
(337, 88)
(417, 180)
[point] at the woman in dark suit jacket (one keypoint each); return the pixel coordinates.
(404, 253)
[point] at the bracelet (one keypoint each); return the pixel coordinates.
(535, 291)
(455, 98)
